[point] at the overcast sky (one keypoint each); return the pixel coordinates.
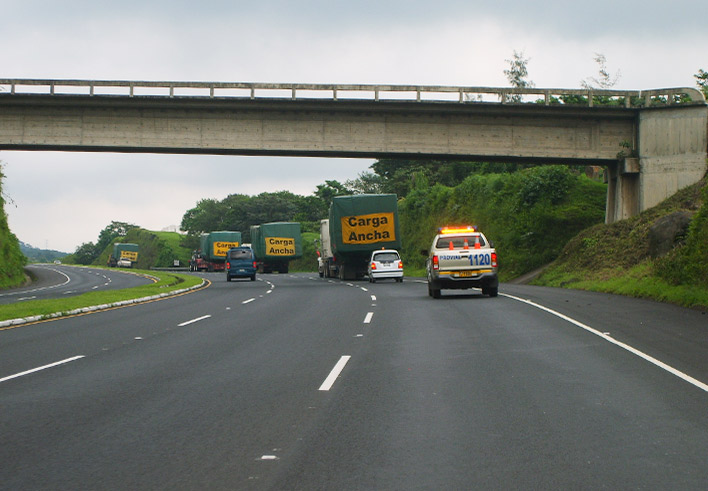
(60, 200)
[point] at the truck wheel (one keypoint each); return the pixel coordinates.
(493, 292)
(228, 278)
(253, 278)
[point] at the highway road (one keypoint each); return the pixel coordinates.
(299, 382)
(59, 281)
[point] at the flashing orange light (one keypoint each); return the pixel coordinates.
(457, 230)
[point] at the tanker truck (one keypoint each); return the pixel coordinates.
(213, 247)
(275, 244)
(357, 225)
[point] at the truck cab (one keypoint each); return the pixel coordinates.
(461, 258)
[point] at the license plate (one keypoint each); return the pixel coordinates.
(465, 274)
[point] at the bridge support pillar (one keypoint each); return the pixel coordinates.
(672, 151)
(622, 190)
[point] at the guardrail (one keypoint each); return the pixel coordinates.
(300, 91)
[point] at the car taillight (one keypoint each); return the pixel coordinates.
(254, 264)
(373, 265)
(228, 265)
(400, 264)
(436, 263)
(494, 259)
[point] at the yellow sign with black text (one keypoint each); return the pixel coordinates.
(368, 229)
(130, 255)
(280, 246)
(221, 248)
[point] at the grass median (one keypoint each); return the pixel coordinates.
(165, 283)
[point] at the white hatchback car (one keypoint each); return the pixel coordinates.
(385, 263)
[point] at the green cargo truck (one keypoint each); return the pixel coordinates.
(124, 255)
(213, 247)
(357, 226)
(275, 244)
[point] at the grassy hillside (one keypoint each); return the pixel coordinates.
(156, 249)
(12, 261)
(616, 258)
(529, 215)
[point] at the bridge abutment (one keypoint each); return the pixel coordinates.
(671, 151)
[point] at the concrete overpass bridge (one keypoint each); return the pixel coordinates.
(653, 142)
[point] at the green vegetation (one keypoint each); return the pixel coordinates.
(12, 261)
(35, 255)
(166, 283)
(308, 261)
(156, 249)
(616, 258)
(529, 215)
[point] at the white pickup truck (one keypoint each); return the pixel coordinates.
(461, 258)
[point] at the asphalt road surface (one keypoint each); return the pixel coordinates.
(298, 382)
(59, 281)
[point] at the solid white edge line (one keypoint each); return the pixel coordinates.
(42, 368)
(194, 320)
(634, 351)
(332, 377)
(368, 317)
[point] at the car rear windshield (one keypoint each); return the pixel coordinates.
(384, 257)
(459, 242)
(237, 254)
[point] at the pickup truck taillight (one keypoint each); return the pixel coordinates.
(436, 263)
(228, 265)
(494, 259)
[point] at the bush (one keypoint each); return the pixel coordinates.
(12, 261)
(528, 215)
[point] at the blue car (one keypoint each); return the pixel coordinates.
(240, 263)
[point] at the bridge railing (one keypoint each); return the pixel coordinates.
(302, 91)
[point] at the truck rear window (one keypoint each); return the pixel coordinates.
(459, 242)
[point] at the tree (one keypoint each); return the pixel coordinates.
(366, 183)
(605, 80)
(85, 253)
(329, 190)
(517, 73)
(207, 216)
(110, 233)
(702, 81)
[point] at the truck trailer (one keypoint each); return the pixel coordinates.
(357, 225)
(213, 247)
(275, 244)
(124, 255)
